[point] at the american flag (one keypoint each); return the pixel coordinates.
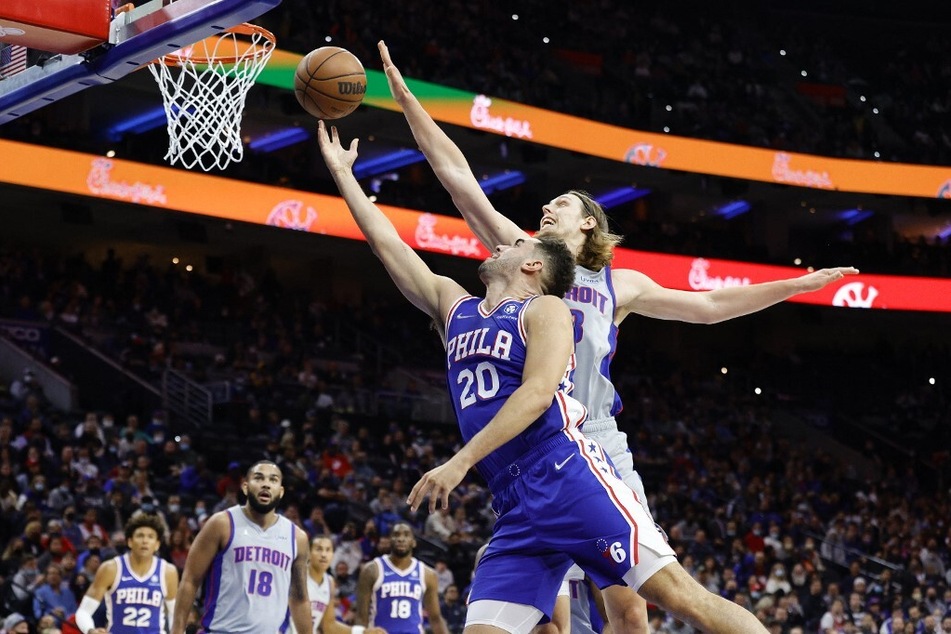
(12, 60)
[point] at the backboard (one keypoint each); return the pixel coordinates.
(134, 38)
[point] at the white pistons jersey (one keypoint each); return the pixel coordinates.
(592, 303)
(247, 588)
(320, 600)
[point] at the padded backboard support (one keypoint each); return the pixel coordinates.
(136, 38)
(58, 26)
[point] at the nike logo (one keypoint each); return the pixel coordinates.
(559, 465)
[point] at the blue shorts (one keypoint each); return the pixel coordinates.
(559, 503)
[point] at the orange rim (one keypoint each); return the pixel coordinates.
(208, 45)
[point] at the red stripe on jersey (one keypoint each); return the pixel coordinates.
(607, 487)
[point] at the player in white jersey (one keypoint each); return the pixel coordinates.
(603, 297)
(321, 589)
(139, 588)
(253, 563)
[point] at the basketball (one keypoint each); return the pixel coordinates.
(330, 82)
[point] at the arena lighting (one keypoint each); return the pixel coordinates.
(278, 139)
(733, 209)
(143, 122)
(386, 162)
(944, 233)
(620, 196)
(500, 181)
(854, 216)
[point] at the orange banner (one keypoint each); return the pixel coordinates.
(665, 151)
(692, 155)
(164, 187)
(172, 189)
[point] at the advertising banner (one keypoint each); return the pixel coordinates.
(665, 151)
(172, 189)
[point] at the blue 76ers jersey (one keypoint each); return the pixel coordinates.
(485, 357)
(136, 605)
(397, 601)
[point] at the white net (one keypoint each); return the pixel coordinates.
(204, 88)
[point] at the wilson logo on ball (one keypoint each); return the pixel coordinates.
(351, 88)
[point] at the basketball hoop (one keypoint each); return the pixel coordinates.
(204, 99)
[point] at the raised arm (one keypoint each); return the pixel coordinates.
(637, 293)
(433, 294)
(549, 345)
(209, 541)
(450, 166)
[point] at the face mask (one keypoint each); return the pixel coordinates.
(184, 446)
(39, 486)
(107, 422)
(174, 508)
(158, 438)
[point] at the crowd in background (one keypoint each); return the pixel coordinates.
(798, 532)
(785, 527)
(733, 77)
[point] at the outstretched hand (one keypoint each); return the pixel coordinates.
(818, 279)
(335, 155)
(394, 78)
(437, 483)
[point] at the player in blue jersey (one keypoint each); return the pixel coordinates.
(252, 562)
(395, 589)
(138, 587)
(600, 300)
(557, 497)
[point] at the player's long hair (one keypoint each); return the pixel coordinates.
(558, 273)
(598, 249)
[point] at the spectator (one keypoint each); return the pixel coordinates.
(54, 596)
(231, 479)
(16, 623)
(90, 526)
(444, 576)
(440, 525)
(777, 581)
(346, 582)
(453, 609)
(315, 524)
(26, 580)
(179, 544)
(348, 550)
(835, 619)
(60, 497)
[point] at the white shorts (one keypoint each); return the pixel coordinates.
(516, 618)
(615, 445)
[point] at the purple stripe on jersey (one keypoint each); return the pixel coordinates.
(287, 617)
(606, 362)
(213, 580)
